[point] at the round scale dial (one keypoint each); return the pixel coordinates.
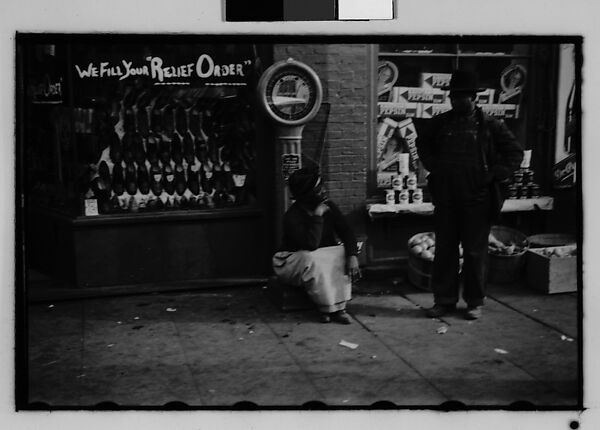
(290, 92)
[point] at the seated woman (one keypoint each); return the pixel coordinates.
(310, 256)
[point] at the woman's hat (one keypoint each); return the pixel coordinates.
(464, 80)
(302, 181)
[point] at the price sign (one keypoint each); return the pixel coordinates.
(91, 207)
(289, 164)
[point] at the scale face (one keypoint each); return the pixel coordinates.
(290, 92)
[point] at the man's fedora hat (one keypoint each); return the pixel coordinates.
(463, 80)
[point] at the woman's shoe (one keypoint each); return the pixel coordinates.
(341, 317)
(325, 318)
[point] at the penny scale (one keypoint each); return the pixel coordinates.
(290, 93)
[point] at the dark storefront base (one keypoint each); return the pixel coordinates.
(147, 248)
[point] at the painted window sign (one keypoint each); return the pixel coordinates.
(205, 67)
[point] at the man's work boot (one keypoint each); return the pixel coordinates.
(341, 317)
(473, 312)
(439, 310)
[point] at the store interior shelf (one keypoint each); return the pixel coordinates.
(451, 55)
(490, 55)
(377, 210)
(176, 215)
(417, 54)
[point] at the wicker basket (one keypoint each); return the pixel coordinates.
(550, 239)
(507, 268)
(419, 269)
(419, 279)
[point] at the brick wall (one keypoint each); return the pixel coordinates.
(343, 69)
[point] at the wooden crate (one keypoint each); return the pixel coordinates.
(551, 275)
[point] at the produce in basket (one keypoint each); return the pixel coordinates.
(497, 247)
(559, 252)
(423, 246)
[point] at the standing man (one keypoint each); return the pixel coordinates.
(468, 155)
(311, 256)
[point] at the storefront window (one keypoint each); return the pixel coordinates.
(149, 128)
(411, 91)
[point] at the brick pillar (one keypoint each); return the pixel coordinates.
(343, 69)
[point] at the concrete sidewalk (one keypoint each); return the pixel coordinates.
(223, 346)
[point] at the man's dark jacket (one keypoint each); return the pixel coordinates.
(501, 153)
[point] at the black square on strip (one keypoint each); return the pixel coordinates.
(253, 10)
(309, 10)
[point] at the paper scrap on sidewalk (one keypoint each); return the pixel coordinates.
(110, 345)
(348, 344)
(136, 318)
(500, 351)
(171, 310)
(50, 306)
(567, 338)
(443, 329)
